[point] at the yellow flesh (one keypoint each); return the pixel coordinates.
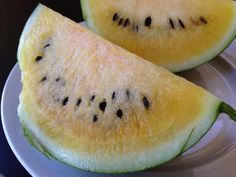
(175, 49)
(89, 65)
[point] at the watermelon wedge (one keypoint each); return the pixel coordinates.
(175, 34)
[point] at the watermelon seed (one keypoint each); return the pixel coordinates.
(181, 24)
(102, 106)
(146, 102)
(127, 93)
(61, 81)
(78, 102)
(44, 79)
(203, 20)
(47, 45)
(121, 21)
(58, 79)
(148, 22)
(65, 100)
(92, 98)
(95, 118)
(115, 17)
(113, 95)
(126, 22)
(119, 113)
(171, 23)
(38, 58)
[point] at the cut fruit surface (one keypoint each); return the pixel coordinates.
(95, 106)
(177, 35)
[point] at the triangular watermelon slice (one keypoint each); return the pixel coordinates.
(175, 34)
(95, 106)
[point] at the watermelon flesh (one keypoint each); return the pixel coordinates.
(97, 107)
(177, 35)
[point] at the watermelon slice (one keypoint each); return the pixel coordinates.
(177, 35)
(95, 106)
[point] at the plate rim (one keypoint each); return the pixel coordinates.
(3, 120)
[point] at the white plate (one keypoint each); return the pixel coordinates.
(214, 155)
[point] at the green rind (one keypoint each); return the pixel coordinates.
(36, 144)
(204, 58)
(227, 44)
(83, 13)
(29, 22)
(214, 118)
(39, 146)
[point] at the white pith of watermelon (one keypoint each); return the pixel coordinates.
(174, 116)
(175, 49)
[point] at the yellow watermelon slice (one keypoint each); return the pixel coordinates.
(175, 34)
(95, 106)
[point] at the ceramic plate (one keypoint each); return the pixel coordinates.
(214, 155)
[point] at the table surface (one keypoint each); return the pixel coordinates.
(13, 15)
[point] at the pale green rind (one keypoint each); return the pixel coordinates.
(34, 142)
(25, 32)
(86, 15)
(194, 139)
(82, 4)
(193, 62)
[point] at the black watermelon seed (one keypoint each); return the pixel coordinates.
(203, 20)
(119, 113)
(171, 23)
(113, 95)
(121, 21)
(78, 102)
(115, 17)
(58, 79)
(47, 45)
(92, 98)
(148, 21)
(102, 106)
(181, 24)
(95, 118)
(38, 58)
(127, 93)
(146, 102)
(126, 22)
(65, 100)
(44, 79)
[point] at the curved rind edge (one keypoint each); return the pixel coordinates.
(195, 62)
(27, 26)
(83, 12)
(195, 139)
